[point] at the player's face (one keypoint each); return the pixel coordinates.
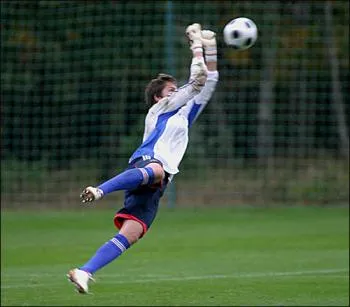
(169, 88)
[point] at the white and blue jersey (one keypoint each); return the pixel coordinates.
(168, 121)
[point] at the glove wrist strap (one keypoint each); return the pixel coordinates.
(210, 54)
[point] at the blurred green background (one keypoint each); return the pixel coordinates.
(73, 75)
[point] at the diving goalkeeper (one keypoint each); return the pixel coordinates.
(172, 111)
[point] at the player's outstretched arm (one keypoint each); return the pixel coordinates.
(196, 106)
(208, 39)
(210, 49)
(198, 74)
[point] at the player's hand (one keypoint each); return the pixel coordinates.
(90, 194)
(193, 33)
(209, 45)
(208, 39)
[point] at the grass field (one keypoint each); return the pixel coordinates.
(190, 257)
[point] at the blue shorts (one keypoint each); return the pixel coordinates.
(142, 203)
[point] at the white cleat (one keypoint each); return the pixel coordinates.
(80, 279)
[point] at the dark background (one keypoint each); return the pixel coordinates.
(74, 72)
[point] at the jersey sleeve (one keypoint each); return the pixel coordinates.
(201, 100)
(204, 96)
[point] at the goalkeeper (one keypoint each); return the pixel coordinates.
(172, 111)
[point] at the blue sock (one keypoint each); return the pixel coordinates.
(128, 180)
(106, 253)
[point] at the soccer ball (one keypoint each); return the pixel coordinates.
(240, 33)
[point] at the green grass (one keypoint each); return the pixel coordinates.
(190, 257)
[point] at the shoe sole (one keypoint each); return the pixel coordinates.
(71, 277)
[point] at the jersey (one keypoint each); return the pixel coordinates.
(168, 122)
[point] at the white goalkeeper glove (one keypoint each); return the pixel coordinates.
(208, 39)
(90, 194)
(193, 33)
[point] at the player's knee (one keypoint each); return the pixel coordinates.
(132, 231)
(158, 172)
(133, 237)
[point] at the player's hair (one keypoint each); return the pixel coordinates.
(155, 87)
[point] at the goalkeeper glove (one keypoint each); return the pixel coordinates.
(193, 33)
(208, 39)
(90, 194)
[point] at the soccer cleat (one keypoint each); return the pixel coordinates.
(90, 194)
(81, 279)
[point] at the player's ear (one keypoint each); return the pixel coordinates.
(156, 98)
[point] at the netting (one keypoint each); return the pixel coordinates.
(73, 75)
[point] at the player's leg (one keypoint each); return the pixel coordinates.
(129, 234)
(109, 251)
(130, 179)
(131, 230)
(133, 178)
(140, 208)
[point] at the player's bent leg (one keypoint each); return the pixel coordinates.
(130, 179)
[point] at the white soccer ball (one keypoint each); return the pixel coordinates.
(240, 33)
